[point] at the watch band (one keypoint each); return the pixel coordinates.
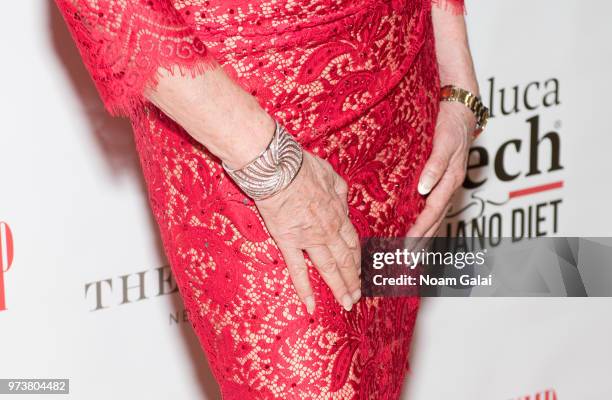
(471, 101)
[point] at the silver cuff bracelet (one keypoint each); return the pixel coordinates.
(274, 168)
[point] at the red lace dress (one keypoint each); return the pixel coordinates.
(356, 82)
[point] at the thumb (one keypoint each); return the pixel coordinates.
(434, 168)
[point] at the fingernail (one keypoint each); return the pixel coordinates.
(347, 302)
(356, 295)
(310, 304)
(425, 184)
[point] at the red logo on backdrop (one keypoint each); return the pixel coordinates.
(6, 258)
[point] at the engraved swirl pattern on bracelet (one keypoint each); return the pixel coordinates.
(273, 170)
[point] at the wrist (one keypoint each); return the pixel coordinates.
(247, 139)
(272, 170)
(465, 81)
(461, 115)
(235, 134)
(216, 112)
(473, 121)
(456, 68)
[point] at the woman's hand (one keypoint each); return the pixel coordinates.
(445, 169)
(311, 214)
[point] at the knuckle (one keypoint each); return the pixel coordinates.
(298, 269)
(328, 266)
(352, 243)
(436, 165)
(346, 261)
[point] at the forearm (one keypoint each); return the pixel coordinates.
(455, 60)
(217, 112)
(452, 50)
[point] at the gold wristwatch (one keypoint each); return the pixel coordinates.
(471, 101)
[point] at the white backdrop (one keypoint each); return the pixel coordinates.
(72, 199)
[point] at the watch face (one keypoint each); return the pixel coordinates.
(447, 91)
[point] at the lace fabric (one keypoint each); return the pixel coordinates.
(124, 43)
(356, 82)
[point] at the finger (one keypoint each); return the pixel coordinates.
(422, 243)
(347, 231)
(434, 168)
(351, 238)
(346, 265)
(434, 229)
(434, 206)
(418, 245)
(298, 272)
(325, 263)
(348, 241)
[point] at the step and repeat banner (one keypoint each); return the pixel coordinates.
(86, 293)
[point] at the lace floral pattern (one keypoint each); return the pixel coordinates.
(356, 83)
